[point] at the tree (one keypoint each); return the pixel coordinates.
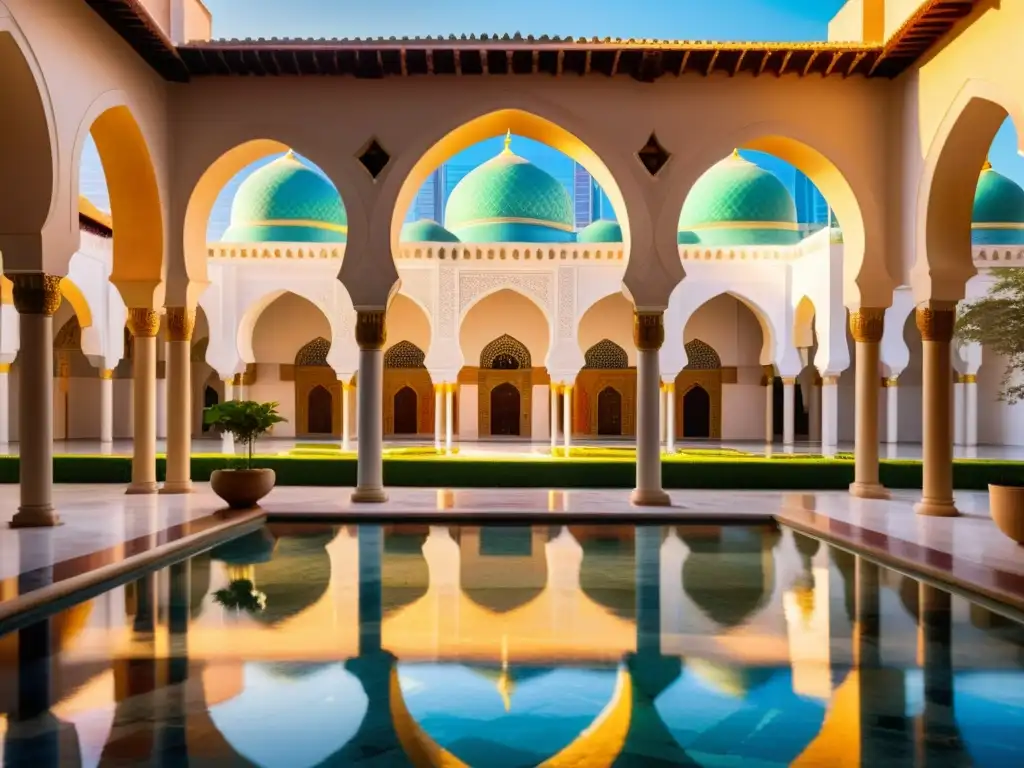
(997, 323)
(245, 419)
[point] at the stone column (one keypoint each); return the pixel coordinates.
(648, 335)
(567, 418)
(829, 414)
(370, 335)
(143, 324)
(814, 409)
(161, 403)
(670, 417)
(5, 405)
(227, 440)
(936, 326)
(438, 417)
(892, 410)
(662, 411)
(959, 415)
(788, 410)
(769, 408)
(971, 410)
(106, 406)
(449, 415)
(346, 416)
(866, 326)
(36, 297)
(554, 416)
(181, 321)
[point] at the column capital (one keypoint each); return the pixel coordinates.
(648, 330)
(181, 322)
(789, 380)
(451, 386)
(829, 381)
(867, 325)
(106, 374)
(890, 382)
(935, 323)
(556, 387)
(5, 368)
(970, 378)
(36, 293)
(371, 330)
(237, 380)
(143, 323)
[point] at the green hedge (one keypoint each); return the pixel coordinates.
(740, 474)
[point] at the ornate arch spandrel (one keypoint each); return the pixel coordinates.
(313, 354)
(404, 354)
(606, 355)
(505, 345)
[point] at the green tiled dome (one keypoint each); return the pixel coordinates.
(426, 231)
(601, 231)
(508, 199)
(998, 217)
(286, 201)
(737, 203)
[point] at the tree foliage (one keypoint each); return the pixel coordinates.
(997, 323)
(245, 419)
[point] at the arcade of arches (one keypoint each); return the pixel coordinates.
(506, 317)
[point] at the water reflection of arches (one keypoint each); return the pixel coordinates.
(502, 568)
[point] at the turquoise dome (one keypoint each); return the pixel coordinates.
(601, 231)
(510, 200)
(737, 203)
(286, 201)
(426, 231)
(998, 217)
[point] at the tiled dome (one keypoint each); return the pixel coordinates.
(998, 217)
(426, 231)
(601, 231)
(286, 201)
(508, 199)
(737, 203)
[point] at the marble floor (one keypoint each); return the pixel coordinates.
(967, 551)
(519, 448)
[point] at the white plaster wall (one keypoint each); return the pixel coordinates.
(540, 413)
(743, 412)
(407, 322)
(469, 426)
(998, 423)
(268, 387)
(286, 325)
(502, 312)
(609, 318)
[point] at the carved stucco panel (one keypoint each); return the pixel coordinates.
(536, 285)
(446, 303)
(566, 301)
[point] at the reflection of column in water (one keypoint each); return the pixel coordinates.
(171, 746)
(371, 547)
(937, 737)
(866, 619)
(648, 588)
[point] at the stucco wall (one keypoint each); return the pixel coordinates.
(610, 318)
(504, 312)
(407, 322)
(998, 422)
(286, 325)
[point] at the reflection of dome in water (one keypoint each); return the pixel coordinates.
(729, 574)
(608, 574)
(405, 573)
(998, 215)
(295, 578)
(509, 199)
(507, 572)
(736, 202)
(286, 201)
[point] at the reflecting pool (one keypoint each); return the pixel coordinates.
(506, 646)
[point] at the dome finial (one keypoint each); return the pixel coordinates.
(289, 155)
(736, 154)
(508, 142)
(987, 166)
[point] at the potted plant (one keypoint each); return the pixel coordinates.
(996, 321)
(246, 420)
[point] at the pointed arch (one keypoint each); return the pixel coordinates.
(505, 349)
(803, 324)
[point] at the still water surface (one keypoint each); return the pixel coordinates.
(517, 646)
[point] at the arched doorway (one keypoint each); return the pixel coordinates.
(609, 412)
(505, 410)
(696, 413)
(406, 409)
(210, 397)
(320, 411)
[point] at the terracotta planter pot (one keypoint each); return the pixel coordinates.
(1007, 506)
(242, 488)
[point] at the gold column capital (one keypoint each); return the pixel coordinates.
(106, 374)
(648, 330)
(867, 324)
(143, 323)
(36, 293)
(890, 382)
(181, 322)
(347, 386)
(935, 323)
(970, 378)
(237, 380)
(371, 331)
(5, 367)
(556, 387)
(670, 386)
(829, 381)
(451, 386)
(567, 389)
(789, 380)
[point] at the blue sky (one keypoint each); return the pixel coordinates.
(676, 19)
